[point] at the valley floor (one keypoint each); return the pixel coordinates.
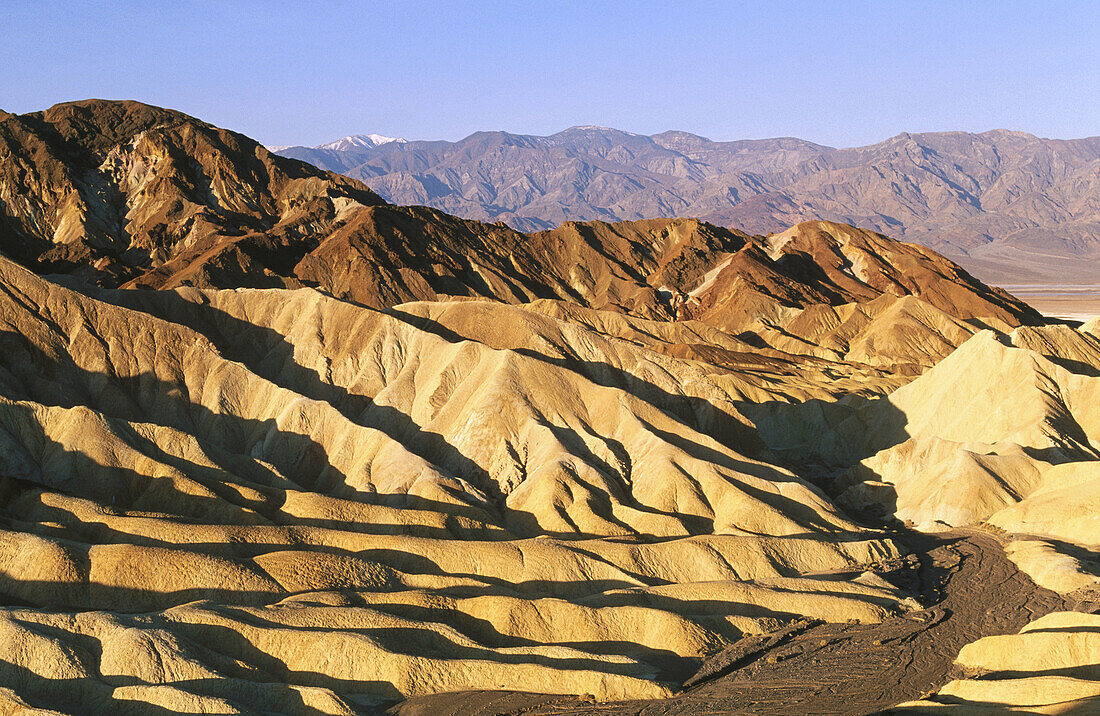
(971, 589)
(1075, 302)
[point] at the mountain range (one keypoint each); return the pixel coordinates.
(272, 444)
(1009, 206)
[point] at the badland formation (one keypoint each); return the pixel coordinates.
(270, 443)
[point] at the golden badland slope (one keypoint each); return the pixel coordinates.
(296, 503)
(1048, 668)
(985, 425)
(1004, 431)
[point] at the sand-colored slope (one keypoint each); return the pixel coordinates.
(1061, 519)
(407, 412)
(1065, 506)
(277, 501)
(1005, 430)
(981, 428)
(902, 334)
(968, 437)
(1050, 667)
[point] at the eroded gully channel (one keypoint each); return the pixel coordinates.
(971, 590)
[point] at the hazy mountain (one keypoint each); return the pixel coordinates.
(1008, 205)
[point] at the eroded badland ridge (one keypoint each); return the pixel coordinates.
(343, 457)
(1009, 206)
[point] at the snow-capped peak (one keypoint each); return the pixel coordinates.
(598, 128)
(360, 141)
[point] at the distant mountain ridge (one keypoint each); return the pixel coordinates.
(1008, 205)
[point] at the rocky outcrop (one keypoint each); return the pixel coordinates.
(115, 191)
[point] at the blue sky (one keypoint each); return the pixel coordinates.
(839, 73)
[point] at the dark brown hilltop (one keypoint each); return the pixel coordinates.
(113, 190)
(124, 194)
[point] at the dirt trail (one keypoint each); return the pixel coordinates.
(971, 588)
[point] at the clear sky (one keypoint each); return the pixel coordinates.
(840, 73)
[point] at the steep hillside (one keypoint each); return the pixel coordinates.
(122, 194)
(409, 512)
(113, 190)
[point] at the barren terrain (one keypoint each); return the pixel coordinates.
(970, 591)
(271, 445)
(1009, 206)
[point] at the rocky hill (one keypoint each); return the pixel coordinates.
(123, 194)
(1009, 206)
(110, 191)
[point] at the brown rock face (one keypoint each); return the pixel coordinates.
(121, 193)
(113, 191)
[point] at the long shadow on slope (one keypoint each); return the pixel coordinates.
(1088, 559)
(146, 398)
(710, 420)
(888, 428)
(819, 435)
(486, 644)
(177, 501)
(787, 506)
(32, 463)
(31, 508)
(84, 592)
(426, 633)
(222, 428)
(698, 413)
(229, 441)
(271, 355)
(96, 695)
